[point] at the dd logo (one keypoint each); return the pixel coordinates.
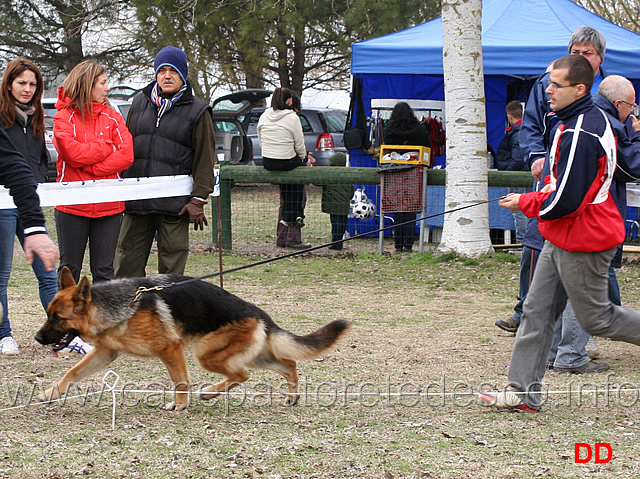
(589, 452)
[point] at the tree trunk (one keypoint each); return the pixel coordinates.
(465, 232)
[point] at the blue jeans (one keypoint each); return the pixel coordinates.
(10, 226)
(568, 349)
(529, 256)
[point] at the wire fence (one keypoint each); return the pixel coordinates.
(254, 220)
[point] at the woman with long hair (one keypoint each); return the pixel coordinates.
(22, 117)
(282, 142)
(403, 128)
(93, 143)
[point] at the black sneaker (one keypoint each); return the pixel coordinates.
(510, 326)
(587, 368)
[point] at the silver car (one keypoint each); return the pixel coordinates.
(322, 128)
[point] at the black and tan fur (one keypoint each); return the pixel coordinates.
(227, 334)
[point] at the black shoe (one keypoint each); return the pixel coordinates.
(337, 247)
(509, 325)
(587, 368)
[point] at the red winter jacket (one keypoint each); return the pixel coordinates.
(99, 149)
(580, 214)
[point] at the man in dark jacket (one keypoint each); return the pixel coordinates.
(173, 134)
(16, 176)
(509, 157)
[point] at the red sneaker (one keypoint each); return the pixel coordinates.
(506, 400)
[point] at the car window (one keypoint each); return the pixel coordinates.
(124, 109)
(227, 126)
(49, 111)
(230, 106)
(252, 127)
(306, 126)
(336, 121)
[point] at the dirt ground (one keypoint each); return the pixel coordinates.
(396, 399)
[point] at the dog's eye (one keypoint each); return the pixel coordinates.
(57, 318)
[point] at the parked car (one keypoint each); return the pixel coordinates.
(322, 128)
(228, 113)
(49, 105)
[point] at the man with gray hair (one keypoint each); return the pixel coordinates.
(537, 124)
(591, 44)
(539, 119)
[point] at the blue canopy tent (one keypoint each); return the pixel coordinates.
(520, 38)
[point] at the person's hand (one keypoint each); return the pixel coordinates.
(310, 159)
(635, 123)
(195, 209)
(41, 245)
(536, 168)
(511, 201)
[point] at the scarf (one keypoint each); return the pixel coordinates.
(23, 112)
(164, 104)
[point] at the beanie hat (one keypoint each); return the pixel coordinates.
(173, 57)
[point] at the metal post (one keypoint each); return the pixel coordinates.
(423, 208)
(381, 233)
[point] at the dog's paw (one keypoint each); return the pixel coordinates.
(209, 393)
(47, 396)
(172, 406)
(292, 400)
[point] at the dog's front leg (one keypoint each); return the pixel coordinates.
(173, 358)
(96, 360)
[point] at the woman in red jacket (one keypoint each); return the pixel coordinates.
(93, 143)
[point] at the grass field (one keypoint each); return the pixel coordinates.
(420, 325)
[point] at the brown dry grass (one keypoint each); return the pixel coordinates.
(416, 321)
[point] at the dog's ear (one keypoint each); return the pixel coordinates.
(83, 292)
(65, 278)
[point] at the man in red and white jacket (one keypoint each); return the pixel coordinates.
(581, 226)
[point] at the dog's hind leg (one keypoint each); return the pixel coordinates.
(228, 351)
(96, 360)
(233, 380)
(173, 358)
(286, 367)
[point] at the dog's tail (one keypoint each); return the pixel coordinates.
(286, 345)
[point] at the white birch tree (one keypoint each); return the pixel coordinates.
(465, 232)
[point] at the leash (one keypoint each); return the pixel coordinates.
(141, 290)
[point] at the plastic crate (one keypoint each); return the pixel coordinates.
(401, 191)
(420, 155)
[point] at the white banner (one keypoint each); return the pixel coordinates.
(104, 191)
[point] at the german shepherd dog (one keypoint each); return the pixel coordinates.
(227, 334)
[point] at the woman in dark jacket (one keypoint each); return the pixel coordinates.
(22, 117)
(403, 128)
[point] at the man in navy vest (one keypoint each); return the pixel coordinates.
(173, 134)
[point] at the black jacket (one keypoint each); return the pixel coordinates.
(32, 149)
(415, 135)
(16, 175)
(509, 157)
(164, 147)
